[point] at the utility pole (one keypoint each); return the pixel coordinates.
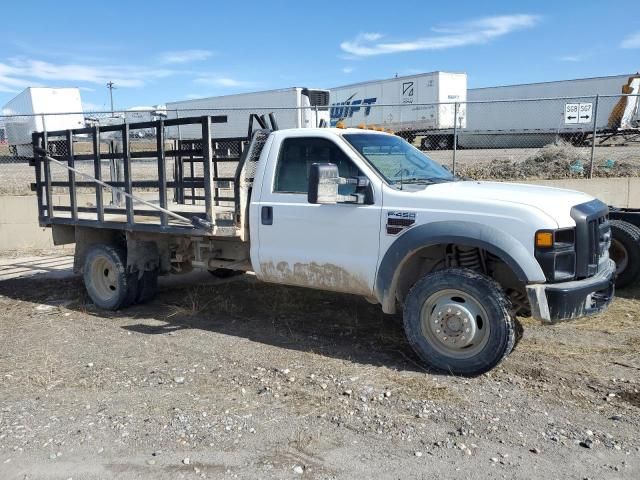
(111, 86)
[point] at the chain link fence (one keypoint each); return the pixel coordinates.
(568, 137)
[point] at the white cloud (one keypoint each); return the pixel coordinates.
(185, 56)
(473, 32)
(93, 107)
(631, 41)
(571, 58)
(215, 81)
(18, 73)
(347, 70)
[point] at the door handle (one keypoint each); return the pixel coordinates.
(266, 215)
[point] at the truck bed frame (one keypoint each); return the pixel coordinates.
(205, 175)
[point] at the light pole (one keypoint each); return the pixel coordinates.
(111, 86)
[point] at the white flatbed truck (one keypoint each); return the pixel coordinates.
(346, 210)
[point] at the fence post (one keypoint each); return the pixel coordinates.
(593, 140)
(178, 191)
(455, 136)
(317, 121)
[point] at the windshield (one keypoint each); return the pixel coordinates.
(396, 160)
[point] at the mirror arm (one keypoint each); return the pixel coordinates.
(357, 198)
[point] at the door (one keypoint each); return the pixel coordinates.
(329, 247)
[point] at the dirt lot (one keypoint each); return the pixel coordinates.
(238, 379)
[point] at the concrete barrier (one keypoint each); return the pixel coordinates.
(619, 192)
(19, 229)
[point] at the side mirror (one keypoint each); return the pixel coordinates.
(323, 184)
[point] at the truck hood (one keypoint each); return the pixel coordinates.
(555, 202)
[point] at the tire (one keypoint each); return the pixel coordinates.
(426, 143)
(444, 142)
(147, 286)
(225, 272)
(106, 278)
(452, 302)
(625, 251)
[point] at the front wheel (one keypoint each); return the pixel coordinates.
(459, 321)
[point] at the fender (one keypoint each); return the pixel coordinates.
(495, 241)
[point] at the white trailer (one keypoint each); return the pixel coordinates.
(39, 109)
(548, 112)
(294, 107)
(411, 105)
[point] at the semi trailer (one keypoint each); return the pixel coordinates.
(36, 109)
(338, 209)
(296, 107)
(536, 114)
(412, 105)
(514, 116)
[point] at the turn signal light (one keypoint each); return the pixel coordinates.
(544, 239)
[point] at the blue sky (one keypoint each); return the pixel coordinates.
(162, 51)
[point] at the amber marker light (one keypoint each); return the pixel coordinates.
(544, 239)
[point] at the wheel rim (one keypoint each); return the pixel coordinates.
(105, 278)
(455, 323)
(619, 254)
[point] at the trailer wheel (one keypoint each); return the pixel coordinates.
(459, 321)
(426, 143)
(106, 278)
(444, 142)
(625, 251)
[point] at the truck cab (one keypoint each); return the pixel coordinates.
(364, 212)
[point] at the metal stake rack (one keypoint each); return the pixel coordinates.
(196, 204)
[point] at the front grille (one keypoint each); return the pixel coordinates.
(593, 236)
(599, 241)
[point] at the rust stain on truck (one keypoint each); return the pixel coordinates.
(325, 276)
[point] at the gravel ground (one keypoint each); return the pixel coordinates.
(239, 379)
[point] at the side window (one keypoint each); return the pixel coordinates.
(296, 157)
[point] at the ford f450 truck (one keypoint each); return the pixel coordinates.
(345, 210)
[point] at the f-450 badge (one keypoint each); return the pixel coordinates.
(398, 221)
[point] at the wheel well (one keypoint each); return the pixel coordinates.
(440, 256)
(86, 237)
(144, 253)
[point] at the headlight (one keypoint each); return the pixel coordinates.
(555, 251)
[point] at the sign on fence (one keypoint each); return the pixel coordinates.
(578, 112)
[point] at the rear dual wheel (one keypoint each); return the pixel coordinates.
(109, 284)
